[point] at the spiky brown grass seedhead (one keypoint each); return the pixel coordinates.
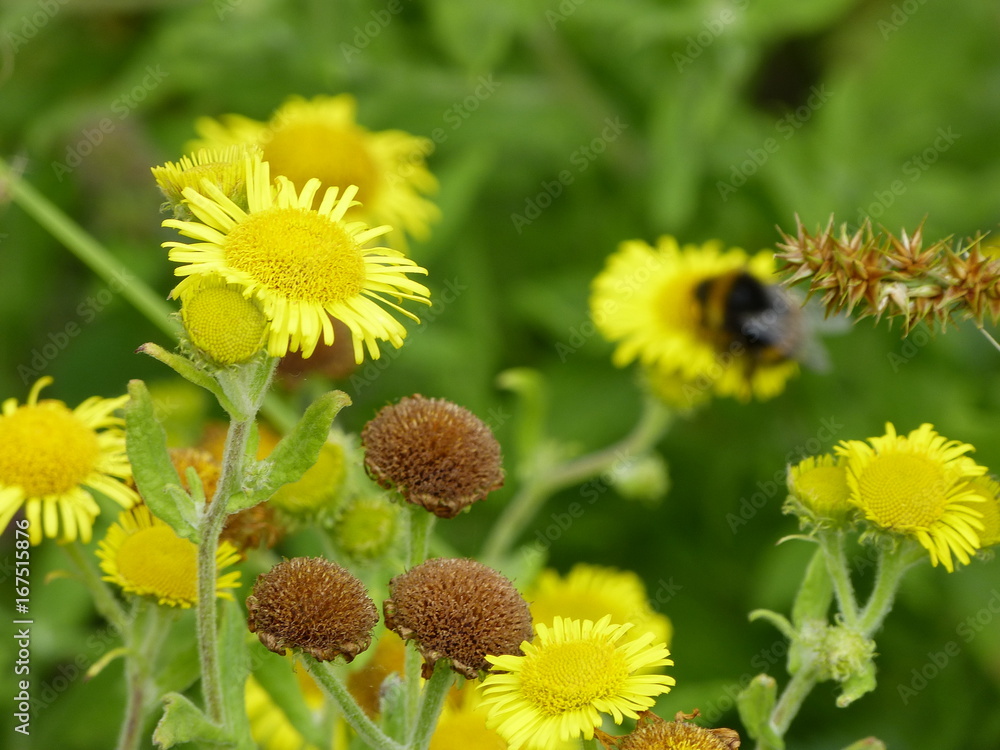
(313, 605)
(458, 609)
(434, 453)
(877, 273)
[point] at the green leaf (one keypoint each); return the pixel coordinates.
(755, 704)
(816, 592)
(187, 370)
(154, 474)
(184, 722)
(294, 454)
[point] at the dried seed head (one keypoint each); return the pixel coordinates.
(433, 452)
(653, 733)
(313, 605)
(458, 609)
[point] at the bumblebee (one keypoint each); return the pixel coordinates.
(738, 309)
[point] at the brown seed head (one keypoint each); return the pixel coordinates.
(653, 733)
(458, 609)
(433, 452)
(313, 605)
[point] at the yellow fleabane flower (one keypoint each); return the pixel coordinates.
(918, 485)
(53, 456)
(572, 673)
(145, 557)
(654, 303)
(304, 266)
(320, 138)
(819, 483)
(589, 592)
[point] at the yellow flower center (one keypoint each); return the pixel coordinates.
(336, 156)
(561, 677)
(903, 491)
(46, 450)
(224, 324)
(300, 254)
(155, 561)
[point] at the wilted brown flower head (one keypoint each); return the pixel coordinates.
(458, 609)
(433, 452)
(653, 733)
(313, 605)
(880, 274)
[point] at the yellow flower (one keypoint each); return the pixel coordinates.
(221, 167)
(271, 728)
(145, 557)
(53, 456)
(319, 138)
(305, 266)
(819, 483)
(918, 485)
(462, 724)
(661, 307)
(589, 592)
(574, 671)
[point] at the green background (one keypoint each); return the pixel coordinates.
(821, 107)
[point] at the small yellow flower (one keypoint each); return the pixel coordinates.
(651, 302)
(304, 266)
(918, 485)
(462, 725)
(221, 321)
(819, 483)
(221, 167)
(319, 138)
(571, 674)
(589, 592)
(53, 457)
(145, 557)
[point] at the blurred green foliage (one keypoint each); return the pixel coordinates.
(561, 128)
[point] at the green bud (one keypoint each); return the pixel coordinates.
(644, 478)
(755, 703)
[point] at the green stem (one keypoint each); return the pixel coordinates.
(89, 251)
(210, 528)
(892, 564)
(788, 705)
(538, 488)
(149, 618)
(323, 673)
(104, 600)
(832, 544)
(435, 691)
(421, 522)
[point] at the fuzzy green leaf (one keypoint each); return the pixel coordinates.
(815, 594)
(154, 474)
(183, 721)
(294, 454)
(187, 370)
